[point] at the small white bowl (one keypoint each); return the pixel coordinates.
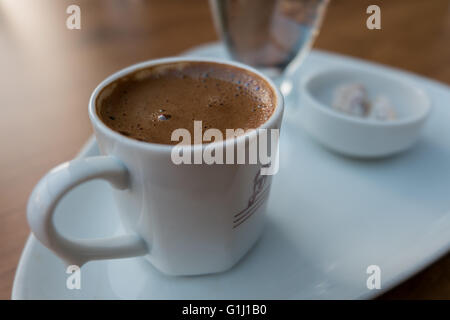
(361, 137)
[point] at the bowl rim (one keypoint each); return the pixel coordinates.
(329, 111)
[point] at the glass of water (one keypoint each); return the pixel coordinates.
(272, 35)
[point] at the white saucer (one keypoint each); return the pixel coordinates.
(330, 217)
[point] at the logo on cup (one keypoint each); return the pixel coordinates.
(374, 20)
(374, 280)
(261, 149)
(73, 22)
(74, 280)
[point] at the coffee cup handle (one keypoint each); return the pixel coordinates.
(52, 188)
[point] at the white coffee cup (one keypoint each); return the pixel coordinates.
(185, 219)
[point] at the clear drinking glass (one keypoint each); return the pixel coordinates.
(271, 35)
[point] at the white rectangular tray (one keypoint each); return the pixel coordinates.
(329, 218)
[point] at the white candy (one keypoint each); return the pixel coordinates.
(382, 109)
(351, 98)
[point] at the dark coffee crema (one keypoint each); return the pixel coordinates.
(151, 103)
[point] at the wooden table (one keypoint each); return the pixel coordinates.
(47, 73)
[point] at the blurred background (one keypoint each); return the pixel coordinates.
(48, 72)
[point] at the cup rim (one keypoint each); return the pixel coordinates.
(104, 129)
